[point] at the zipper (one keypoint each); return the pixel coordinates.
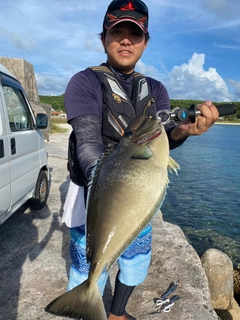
(115, 123)
(150, 102)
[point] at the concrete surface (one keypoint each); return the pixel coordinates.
(34, 247)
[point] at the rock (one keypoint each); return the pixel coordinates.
(232, 313)
(236, 284)
(173, 259)
(234, 310)
(236, 281)
(219, 271)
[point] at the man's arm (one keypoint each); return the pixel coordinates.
(89, 145)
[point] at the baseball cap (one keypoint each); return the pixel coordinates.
(126, 10)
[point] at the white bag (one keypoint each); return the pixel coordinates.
(74, 211)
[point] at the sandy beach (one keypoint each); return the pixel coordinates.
(229, 123)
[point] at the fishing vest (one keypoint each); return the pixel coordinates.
(119, 108)
(117, 112)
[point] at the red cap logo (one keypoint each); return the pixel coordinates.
(129, 6)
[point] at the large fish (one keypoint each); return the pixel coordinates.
(127, 189)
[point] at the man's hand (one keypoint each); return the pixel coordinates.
(202, 124)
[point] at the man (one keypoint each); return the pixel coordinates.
(98, 124)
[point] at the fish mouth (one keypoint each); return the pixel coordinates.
(149, 138)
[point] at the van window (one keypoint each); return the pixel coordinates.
(18, 112)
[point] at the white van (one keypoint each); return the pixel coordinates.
(24, 170)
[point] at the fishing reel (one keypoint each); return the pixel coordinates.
(181, 114)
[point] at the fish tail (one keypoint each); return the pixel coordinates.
(82, 302)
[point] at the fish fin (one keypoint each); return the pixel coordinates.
(82, 302)
(143, 153)
(91, 200)
(94, 176)
(173, 165)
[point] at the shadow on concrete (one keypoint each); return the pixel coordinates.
(20, 245)
(224, 315)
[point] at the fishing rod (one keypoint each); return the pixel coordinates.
(181, 114)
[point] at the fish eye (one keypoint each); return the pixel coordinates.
(128, 134)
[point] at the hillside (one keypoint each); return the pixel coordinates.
(57, 103)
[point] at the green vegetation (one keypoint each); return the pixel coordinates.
(58, 121)
(57, 103)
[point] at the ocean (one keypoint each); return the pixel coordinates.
(204, 199)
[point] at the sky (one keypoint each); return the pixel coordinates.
(194, 48)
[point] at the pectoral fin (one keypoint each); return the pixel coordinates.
(173, 165)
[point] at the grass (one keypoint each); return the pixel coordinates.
(55, 125)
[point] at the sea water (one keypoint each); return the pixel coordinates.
(204, 199)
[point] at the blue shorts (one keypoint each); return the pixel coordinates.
(133, 263)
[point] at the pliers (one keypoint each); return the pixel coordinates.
(164, 302)
(168, 305)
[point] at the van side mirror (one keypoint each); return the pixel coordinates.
(41, 121)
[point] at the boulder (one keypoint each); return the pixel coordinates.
(219, 271)
(222, 282)
(173, 260)
(236, 282)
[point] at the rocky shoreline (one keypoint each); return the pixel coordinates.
(175, 260)
(35, 261)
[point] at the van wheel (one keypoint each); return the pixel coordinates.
(41, 192)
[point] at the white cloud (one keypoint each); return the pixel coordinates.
(225, 9)
(236, 87)
(59, 40)
(21, 43)
(147, 70)
(49, 84)
(226, 46)
(187, 81)
(93, 43)
(191, 81)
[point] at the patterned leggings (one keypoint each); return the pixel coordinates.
(133, 263)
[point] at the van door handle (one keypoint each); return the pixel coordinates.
(1, 149)
(13, 145)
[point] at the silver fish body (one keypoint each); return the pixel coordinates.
(127, 189)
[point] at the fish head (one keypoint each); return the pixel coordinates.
(143, 129)
(141, 134)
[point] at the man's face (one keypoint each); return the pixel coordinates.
(124, 45)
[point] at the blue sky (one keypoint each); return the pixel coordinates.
(194, 48)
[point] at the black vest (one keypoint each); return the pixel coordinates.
(118, 110)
